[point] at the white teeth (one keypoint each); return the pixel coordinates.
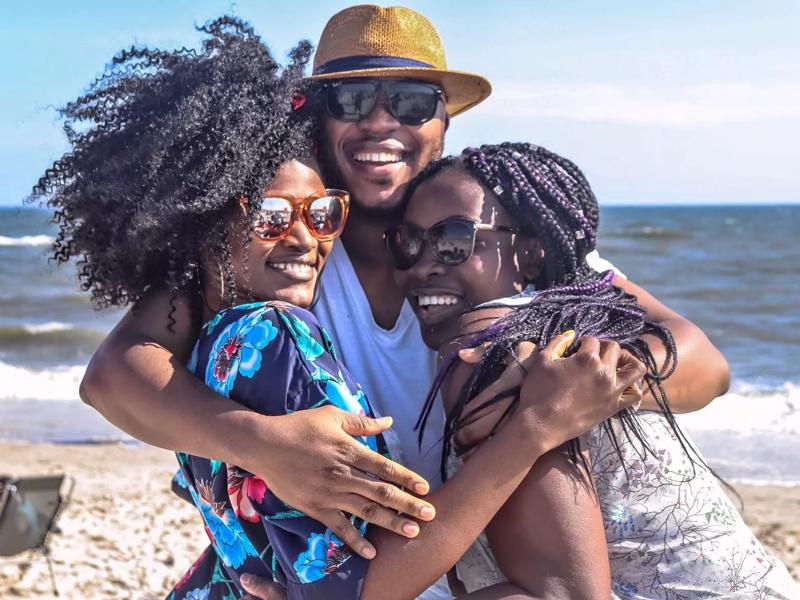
(437, 300)
(295, 267)
(377, 157)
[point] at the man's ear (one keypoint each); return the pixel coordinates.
(533, 259)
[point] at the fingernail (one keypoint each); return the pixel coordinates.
(411, 529)
(246, 580)
(427, 512)
(368, 552)
(569, 336)
(387, 421)
(421, 488)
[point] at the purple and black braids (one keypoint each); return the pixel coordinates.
(551, 200)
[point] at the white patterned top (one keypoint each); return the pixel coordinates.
(672, 532)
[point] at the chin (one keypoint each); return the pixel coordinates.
(384, 198)
(301, 296)
(433, 337)
(300, 299)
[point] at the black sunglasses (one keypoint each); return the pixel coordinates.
(410, 102)
(452, 241)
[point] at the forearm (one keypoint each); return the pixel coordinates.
(143, 389)
(702, 373)
(551, 410)
(464, 506)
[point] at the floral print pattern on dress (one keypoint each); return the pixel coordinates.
(325, 553)
(274, 359)
(237, 351)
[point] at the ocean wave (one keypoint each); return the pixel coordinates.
(763, 482)
(751, 407)
(51, 335)
(38, 328)
(26, 240)
(648, 231)
(57, 383)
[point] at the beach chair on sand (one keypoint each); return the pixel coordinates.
(29, 507)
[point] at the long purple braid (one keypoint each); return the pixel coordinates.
(551, 199)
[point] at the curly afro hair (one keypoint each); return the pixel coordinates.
(163, 144)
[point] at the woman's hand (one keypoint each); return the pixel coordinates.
(316, 466)
(569, 395)
(261, 588)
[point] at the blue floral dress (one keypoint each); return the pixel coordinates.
(275, 359)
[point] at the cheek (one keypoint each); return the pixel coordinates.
(430, 138)
(490, 258)
(323, 252)
(492, 272)
(255, 253)
(332, 133)
(259, 249)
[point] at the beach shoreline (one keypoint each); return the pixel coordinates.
(126, 534)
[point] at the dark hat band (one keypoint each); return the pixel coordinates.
(358, 63)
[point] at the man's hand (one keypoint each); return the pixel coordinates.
(317, 467)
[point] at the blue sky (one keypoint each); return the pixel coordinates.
(670, 102)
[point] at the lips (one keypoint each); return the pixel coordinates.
(383, 158)
(377, 159)
(296, 269)
(433, 306)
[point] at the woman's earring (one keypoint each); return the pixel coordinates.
(221, 287)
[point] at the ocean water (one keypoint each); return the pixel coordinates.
(735, 271)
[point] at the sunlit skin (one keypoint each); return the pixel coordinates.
(501, 264)
(373, 185)
(264, 276)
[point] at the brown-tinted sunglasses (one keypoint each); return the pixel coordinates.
(323, 214)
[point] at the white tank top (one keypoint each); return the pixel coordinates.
(394, 367)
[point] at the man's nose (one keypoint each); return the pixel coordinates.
(379, 118)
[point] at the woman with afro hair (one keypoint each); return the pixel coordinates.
(191, 175)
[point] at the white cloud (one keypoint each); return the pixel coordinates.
(686, 106)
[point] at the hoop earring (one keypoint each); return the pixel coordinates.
(221, 287)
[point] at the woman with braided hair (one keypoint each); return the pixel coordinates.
(495, 253)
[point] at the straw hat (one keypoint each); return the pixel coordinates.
(393, 43)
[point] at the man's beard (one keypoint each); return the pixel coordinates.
(388, 215)
(378, 214)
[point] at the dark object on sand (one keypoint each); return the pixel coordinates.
(29, 507)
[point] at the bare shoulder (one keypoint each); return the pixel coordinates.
(656, 310)
(158, 318)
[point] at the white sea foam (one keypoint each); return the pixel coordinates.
(57, 383)
(750, 408)
(764, 482)
(49, 327)
(26, 240)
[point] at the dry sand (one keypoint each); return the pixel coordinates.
(125, 535)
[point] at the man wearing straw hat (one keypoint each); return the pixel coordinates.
(388, 97)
